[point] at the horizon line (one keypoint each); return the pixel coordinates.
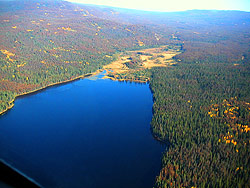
(147, 10)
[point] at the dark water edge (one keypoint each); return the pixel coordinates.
(49, 179)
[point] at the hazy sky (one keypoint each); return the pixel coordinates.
(173, 5)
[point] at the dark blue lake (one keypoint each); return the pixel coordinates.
(90, 133)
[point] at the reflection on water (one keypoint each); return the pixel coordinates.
(97, 76)
(89, 133)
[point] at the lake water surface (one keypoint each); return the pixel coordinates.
(90, 133)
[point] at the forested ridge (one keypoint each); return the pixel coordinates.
(203, 112)
(44, 42)
(201, 102)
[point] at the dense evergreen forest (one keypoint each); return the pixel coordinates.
(203, 111)
(201, 104)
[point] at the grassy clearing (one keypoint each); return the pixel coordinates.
(133, 61)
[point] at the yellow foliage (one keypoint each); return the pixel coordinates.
(140, 43)
(8, 54)
(21, 65)
(14, 27)
(212, 115)
(55, 55)
(66, 28)
(234, 142)
(246, 128)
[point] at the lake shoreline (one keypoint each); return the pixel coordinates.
(68, 81)
(11, 103)
(90, 91)
(129, 80)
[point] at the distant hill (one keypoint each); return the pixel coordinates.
(43, 42)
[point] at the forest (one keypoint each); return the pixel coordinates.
(203, 112)
(201, 107)
(58, 41)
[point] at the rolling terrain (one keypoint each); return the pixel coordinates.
(201, 100)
